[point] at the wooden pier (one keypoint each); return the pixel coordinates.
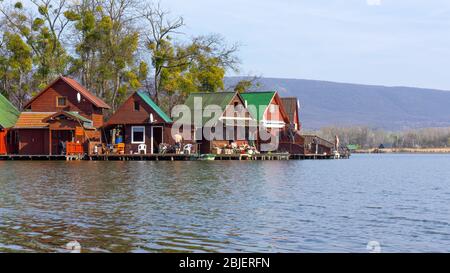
(172, 157)
(142, 157)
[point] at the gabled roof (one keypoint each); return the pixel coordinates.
(146, 98)
(260, 100)
(79, 88)
(8, 113)
(290, 105)
(32, 120)
(221, 99)
(85, 122)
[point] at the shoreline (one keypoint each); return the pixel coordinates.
(403, 151)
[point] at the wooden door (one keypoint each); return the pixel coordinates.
(156, 138)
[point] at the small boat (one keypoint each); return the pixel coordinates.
(207, 157)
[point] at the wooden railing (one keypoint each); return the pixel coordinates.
(73, 148)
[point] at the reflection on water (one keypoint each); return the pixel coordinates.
(400, 201)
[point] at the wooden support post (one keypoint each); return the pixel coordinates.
(49, 141)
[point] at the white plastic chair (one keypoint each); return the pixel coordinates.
(142, 148)
(187, 149)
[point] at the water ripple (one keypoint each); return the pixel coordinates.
(294, 206)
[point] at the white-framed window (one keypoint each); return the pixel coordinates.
(137, 134)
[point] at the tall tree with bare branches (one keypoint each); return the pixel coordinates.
(183, 67)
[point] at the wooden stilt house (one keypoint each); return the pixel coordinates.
(268, 110)
(64, 118)
(219, 121)
(139, 122)
(293, 137)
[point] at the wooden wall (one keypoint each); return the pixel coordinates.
(278, 114)
(33, 141)
(3, 144)
(167, 137)
(46, 102)
(126, 114)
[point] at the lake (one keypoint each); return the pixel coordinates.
(400, 201)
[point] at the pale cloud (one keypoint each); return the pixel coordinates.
(374, 2)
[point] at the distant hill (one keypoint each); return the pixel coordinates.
(392, 108)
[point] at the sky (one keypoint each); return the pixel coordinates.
(382, 42)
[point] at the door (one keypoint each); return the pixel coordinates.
(156, 138)
(60, 139)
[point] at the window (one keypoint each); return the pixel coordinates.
(61, 101)
(236, 107)
(137, 134)
(136, 106)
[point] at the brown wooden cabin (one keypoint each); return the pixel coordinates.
(225, 103)
(139, 120)
(63, 112)
(268, 110)
(292, 139)
(317, 145)
(8, 117)
(46, 133)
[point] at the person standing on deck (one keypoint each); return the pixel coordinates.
(178, 138)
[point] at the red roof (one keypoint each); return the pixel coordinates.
(78, 87)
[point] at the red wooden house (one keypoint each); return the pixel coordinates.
(268, 110)
(139, 122)
(8, 117)
(292, 107)
(293, 136)
(64, 116)
(232, 110)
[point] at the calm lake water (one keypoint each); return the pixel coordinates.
(401, 201)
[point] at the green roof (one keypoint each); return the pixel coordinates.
(146, 98)
(352, 146)
(8, 113)
(221, 99)
(260, 100)
(80, 117)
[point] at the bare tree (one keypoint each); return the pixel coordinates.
(157, 40)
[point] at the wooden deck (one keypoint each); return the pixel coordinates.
(273, 156)
(41, 157)
(171, 157)
(146, 157)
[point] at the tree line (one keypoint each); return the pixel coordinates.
(366, 137)
(113, 47)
